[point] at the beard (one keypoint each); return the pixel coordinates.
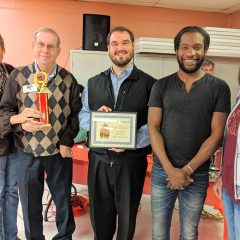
(191, 70)
(121, 62)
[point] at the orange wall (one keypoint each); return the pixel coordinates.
(20, 18)
(235, 20)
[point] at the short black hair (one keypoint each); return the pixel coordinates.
(120, 29)
(187, 29)
(208, 62)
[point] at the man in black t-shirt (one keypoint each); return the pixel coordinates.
(187, 114)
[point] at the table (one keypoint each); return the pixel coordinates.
(80, 167)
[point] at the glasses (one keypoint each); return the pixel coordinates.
(41, 45)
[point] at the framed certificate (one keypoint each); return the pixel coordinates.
(113, 130)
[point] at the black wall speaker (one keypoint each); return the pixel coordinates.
(95, 30)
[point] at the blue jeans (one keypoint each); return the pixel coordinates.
(191, 201)
(8, 197)
(232, 214)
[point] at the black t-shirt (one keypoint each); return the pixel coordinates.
(186, 119)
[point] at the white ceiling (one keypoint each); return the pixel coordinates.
(222, 6)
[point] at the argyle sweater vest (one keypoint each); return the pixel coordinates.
(45, 143)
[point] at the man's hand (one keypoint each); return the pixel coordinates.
(66, 152)
(33, 126)
(26, 115)
(105, 109)
(187, 170)
(117, 150)
(218, 187)
(178, 179)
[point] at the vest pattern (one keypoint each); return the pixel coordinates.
(45, 143)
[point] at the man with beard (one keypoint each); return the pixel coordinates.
(187, 114)
(116, 176)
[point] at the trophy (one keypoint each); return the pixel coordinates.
(40, 80)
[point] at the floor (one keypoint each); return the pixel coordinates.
(208, 229)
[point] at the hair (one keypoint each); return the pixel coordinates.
(239, 75)
(2, 45)
(208, 62)
(192, 29)
(48, 30)
(120, 29)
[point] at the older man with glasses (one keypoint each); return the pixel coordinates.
(43, 138)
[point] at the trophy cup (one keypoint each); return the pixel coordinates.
(40, 80)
